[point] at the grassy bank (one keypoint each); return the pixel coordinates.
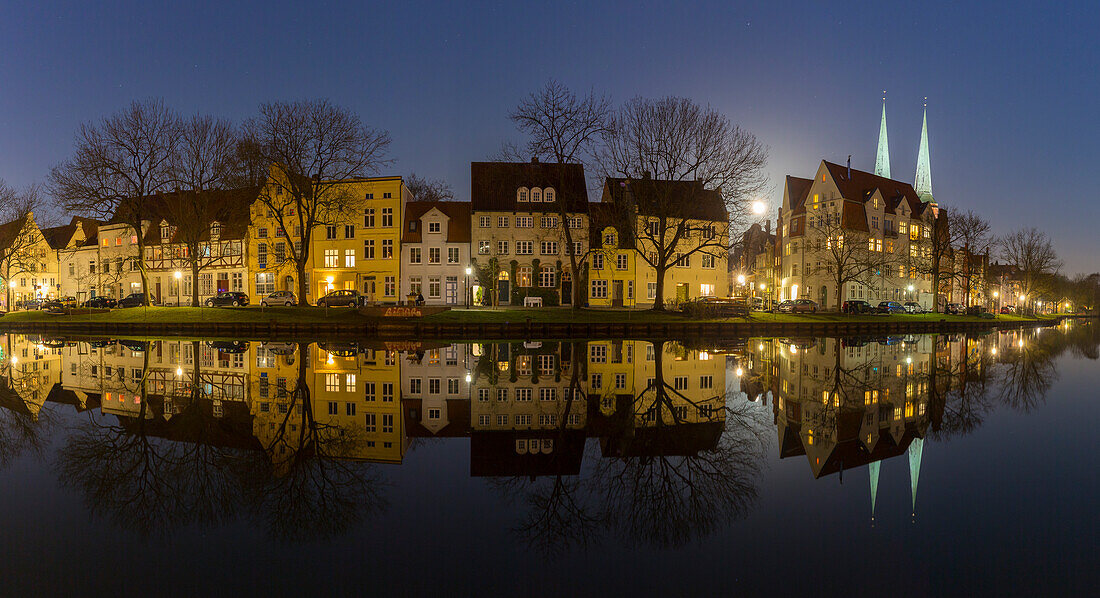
(307, 315)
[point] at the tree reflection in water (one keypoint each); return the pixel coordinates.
(152, 473)
(665, 477)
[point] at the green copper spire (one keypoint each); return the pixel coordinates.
(882, 159)
(924, 168)
(873, 468)
(916, 449)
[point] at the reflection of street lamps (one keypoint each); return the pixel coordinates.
(469, 300)
(178, 275)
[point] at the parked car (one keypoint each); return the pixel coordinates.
(757, 303)
(341, 298)
(890, 307)
(1008, 309)
(228, 346)
(285, 298)
(952, 308)
(29, 304)
(53, 304)
(100, 302)
(234, 298)
(798, 306)
(856, 306)
(785, 306)
(913, 307)
(134, 300)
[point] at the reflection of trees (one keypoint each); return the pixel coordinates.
(1026, 373)
(23, 430)
(318, 488)
(663, 483)
(149, 474)
(152, 473)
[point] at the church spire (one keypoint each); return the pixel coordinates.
(923, 182)
(873, 468)
(882, 158)
(916, 449)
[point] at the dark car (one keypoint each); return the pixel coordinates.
(953, 308)
(30, 304)
(913, 307)
(100, 302)
(856, 306)
(890, 307)
(342, 298)
(234, 298)
(284, 298)
(53, 305)
(133, 300)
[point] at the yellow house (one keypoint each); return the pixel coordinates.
(621, 270)
(28, 264)
(358, 248)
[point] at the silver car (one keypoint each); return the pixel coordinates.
(285, 298)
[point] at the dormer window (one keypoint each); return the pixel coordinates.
(609, 239)
(874, 202)
(433, 227)
(521, 195)
(165, 232)
(548, 194)
(536, 194)
(215, 231)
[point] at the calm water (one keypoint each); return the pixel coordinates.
(901, 466)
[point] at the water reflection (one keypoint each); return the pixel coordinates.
(650, 442)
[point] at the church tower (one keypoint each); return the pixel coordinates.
(882, 158)
(923, 184)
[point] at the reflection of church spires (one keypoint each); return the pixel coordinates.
(873, 468)
(923, 182)
(882, 158)
(915, 451)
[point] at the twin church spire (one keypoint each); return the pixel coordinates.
(923, 182)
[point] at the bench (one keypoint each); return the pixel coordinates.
(532, 301)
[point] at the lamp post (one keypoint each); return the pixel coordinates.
(178, 275)
(996, 303)
(1023, 306)
(469, 271)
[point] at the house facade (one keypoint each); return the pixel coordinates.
(526, 219)
(435, 253)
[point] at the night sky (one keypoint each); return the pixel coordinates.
(1012, 89)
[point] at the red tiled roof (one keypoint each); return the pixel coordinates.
(861, 185)
(457, 212)
(682, 199)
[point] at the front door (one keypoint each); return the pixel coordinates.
(223, 283)
(451, 290)
(682, 292)
(616, 293)
(157, 296)
(502, 292)
(566, 290)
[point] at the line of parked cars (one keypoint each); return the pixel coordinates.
(337, 298)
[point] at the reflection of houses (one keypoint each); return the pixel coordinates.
(28, 370)
(110, 370)
(435, 389)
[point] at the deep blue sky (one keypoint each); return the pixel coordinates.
(1012, 89)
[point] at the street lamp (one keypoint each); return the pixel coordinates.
(758, 207)
(469, 299)
(178, 275)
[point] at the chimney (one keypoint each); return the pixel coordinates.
(534, 159)
(768, 227)
(849, 167)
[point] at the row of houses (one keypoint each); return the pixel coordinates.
(528, 235)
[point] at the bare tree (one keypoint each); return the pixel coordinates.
(206, 161)
(973, 235)
(117, 165)
(846, 255)
(19, 235)
(1033, 255)
(425, 189)
(672, 155)
(563, 128)
(313, 147)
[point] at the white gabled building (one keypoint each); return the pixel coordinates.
(435, 252)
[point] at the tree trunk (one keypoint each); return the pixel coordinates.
(659, 300)
(303, 288)
(194, 282)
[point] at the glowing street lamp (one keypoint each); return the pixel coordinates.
(741, 279)
(758, 207)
